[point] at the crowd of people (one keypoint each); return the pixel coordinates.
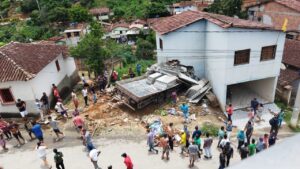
(193, 144)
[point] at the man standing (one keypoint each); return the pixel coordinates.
(21, 105)
(170, 132)
(94, 153)
(58, 159)
(55, 92)
(166, 148)
(229, 111)
(138, 69)
(249, 130)
(193, 152)
(78, 122)
(222, 159)
(127, 161)
(87, 140)
(229, 153)
(85, 96)
(83, 79)
(196, 132)
(241, 138)
(252, 148)
(244, 151)
(39, 109)
(45, 103)
(37, 131)
(274, 122)
(254, 105)
(207, 146)
(221, 134)
(55, 128)
(150, 141)
(185, 109)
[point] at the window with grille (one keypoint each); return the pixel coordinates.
(161, 46)
(6, 96)
(241, 57)
(268, 53)
(57, 65)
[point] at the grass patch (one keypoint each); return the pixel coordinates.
(144, 63)
(210, 128)
(288, 111)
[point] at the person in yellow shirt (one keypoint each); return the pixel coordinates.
(183, 142)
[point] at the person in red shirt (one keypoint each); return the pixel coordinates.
(229, 111)
(55, 92)
(127, 161)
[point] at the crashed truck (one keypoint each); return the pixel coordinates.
(158, 83)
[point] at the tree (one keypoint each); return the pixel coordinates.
(28, 6)
(157, 10)
(145, 49)
(87, 3)
(228, 7)
(91, 49)
(78, 13)
(59, 14)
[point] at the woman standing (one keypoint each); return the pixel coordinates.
(74, 99)
(41, 151)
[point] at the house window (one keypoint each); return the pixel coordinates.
(57, 65)
(161, 46)
(76, 34)
(268, 53)
(6, 96)
(241, 57)
(121, 32)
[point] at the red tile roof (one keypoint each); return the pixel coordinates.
(175, 22)
(291, 54)
(288, 76)
(293, 4)
(98, 11)
(23, 61)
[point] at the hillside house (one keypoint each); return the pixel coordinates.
(74, 33)
(240, 58)
(274, 12)
(101, 14)
(182, 6)
(289, 79)
(28, 70)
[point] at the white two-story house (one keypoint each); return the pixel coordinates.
(240, 58)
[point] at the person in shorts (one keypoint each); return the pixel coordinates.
(42, 153)
(28, 127)
(14, 129)
(78, 122)
(55, 128)
(193, 153)
(21, 105)
(166, 147)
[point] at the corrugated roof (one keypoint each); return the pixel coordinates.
(175, 22)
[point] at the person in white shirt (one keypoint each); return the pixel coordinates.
(224, 141)
(59, 107)
(42, 153)
(39, 108)
(94, 157)
(85, 95)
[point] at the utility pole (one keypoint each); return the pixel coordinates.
(295, 115)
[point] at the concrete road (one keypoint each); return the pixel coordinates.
(75, 156)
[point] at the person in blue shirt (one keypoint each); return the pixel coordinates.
(37, 131)
(241, 138)
(196, 132)
(280, 117)
(138, 69)
(185, 109)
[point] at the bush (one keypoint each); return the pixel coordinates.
(143, 63)
(210, 128)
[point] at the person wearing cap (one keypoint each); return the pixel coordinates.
(127, 161)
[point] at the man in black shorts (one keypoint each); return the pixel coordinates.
(55, 128)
